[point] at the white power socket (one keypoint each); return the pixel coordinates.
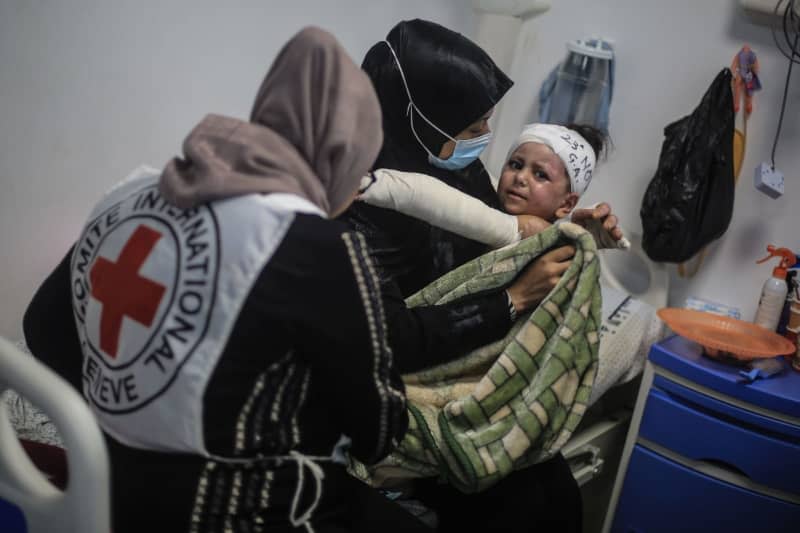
(768, 180)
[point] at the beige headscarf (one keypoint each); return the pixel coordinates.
(315, 129)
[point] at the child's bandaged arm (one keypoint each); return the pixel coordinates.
(426, 198)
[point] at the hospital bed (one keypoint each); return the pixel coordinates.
(28, 500)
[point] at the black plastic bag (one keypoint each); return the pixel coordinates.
(689, 201)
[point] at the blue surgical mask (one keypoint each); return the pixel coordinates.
(466, 150)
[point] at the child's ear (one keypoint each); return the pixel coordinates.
(566, 207)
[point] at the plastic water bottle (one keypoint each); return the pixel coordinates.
(580, 82)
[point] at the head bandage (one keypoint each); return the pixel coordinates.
(577, 154)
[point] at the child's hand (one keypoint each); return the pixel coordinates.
(601, 213)
(602, 224)
(530, 225)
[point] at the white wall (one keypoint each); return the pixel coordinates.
(89, 89)
(667, 55)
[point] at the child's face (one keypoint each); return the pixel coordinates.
(534, 182)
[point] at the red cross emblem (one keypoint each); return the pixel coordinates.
(122, 291)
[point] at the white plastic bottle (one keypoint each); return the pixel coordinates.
(773, 295)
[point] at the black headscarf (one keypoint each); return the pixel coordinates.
(454, 83)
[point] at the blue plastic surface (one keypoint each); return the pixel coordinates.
(779, 393)
(662, 496)
(682, 428)
(11, 518)
(744, 417)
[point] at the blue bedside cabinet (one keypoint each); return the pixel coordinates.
(707, 453)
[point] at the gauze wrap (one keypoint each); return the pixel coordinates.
(577, 154)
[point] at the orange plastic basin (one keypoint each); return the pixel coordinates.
(742, 340)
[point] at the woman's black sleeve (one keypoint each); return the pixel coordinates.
(422, 337)
(342, 333)
(49, 325)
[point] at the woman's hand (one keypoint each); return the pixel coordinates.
(530, 225)
(602, 224)
(539, 278)
(366, 182)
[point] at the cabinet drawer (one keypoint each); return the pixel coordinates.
(659, 495)
(689, 430)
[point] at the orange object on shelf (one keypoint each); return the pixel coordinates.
(737, 338)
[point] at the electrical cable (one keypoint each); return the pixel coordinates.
(790, 18)
(790, 24)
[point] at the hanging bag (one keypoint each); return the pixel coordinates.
(689, 201)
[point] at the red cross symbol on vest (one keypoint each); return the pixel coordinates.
(122, 291)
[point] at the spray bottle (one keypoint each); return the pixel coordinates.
(773, 295)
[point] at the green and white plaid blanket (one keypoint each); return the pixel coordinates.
(512, 403)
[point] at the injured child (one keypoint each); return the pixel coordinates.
(547, 170)
(517, 401)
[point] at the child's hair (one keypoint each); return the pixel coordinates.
(597, 138)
